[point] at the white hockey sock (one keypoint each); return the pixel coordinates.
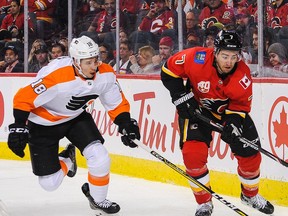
(98, 162)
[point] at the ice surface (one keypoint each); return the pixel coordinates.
(21, 194)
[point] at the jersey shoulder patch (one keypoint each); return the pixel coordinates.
(200, 57)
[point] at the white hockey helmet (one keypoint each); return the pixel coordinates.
(82, 48)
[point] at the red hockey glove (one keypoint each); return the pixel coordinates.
(18, 138)
(186, 105)
(129, 131)
(233, 126)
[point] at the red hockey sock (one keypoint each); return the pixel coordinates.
(195, 155)
(249, 174)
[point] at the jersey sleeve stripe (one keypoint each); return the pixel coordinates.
(167, 71)
(43, 113)
(124, 106)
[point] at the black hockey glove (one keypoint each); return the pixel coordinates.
(18, 138)
(233, 126)
(129, 131)
(186, 105)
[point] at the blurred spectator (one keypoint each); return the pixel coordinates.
(124, 53)
(131, 8)
(64, 42)
(255, 46)
(86, 17)
(216, 11)
(43, 13)
(194, 38)
(239, 6)
(95, 7)
(278, 57)
(123, 36)
(106, 54)
(280, 17)
(11, 63)
(57, 50)
(158, 18)
(269, 12)
(282, 36)
(37, 43)
(243, 27)
(4, 8)
(166, 47)
(42, 58)
(210, 34)
(103, 25)
(191, 4)
(142, 63)
(13, 23)
(192, 20)
(158, 21)
(268, 40)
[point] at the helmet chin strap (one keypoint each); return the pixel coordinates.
(79, 69)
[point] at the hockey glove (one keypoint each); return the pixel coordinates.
(18, 138)
(233, 126)
(129, 131)
(186, 105)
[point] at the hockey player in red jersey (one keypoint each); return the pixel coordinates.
(53, 107)
(219, 86)
(280, 15)
(216, 11)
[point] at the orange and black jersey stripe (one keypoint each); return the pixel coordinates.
(57, 94)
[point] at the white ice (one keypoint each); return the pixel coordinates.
(21, 195)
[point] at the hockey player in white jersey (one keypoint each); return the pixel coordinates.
(53, 107)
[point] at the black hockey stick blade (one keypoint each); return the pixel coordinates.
(218, 127)
(190, 178)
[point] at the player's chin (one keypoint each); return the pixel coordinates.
(227, 70)
(92, 74)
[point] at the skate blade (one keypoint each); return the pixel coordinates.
(98, 212)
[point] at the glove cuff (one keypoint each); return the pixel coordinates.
(20, 116)
(122, 117)
(184, 97)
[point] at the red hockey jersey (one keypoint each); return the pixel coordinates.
(222, 14)
(9, 21)
(212, 92)
(158, 24)
(44, 9)
(5, 3)
(281, 17)
(269, 13)
(103, 22)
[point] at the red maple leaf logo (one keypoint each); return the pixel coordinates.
(281, 129)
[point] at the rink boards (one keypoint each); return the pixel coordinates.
(151, 106)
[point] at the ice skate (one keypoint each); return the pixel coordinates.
(105, 206)
(204, 209)
(259, 203)
(69, 152)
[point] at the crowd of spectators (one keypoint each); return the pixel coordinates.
(148, 30)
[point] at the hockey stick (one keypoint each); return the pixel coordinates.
(190, 178)
(245, 141)
(3, 209)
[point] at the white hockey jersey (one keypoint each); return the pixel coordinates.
(57, 94)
